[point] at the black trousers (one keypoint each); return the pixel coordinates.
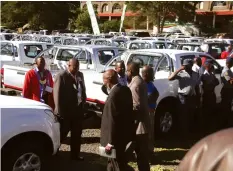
(187, 111)
(227, 98)
(141, 147)
(74, 125)
(142, 152)
(208, 111)
(120, 163)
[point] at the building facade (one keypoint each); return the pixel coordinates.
(216, 14)
(109, 10)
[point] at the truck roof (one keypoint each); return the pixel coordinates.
(23, 42)
(167, 51)
(190, 43)
(88, 46)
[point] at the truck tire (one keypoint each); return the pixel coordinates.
(166, 121)
(26, 154)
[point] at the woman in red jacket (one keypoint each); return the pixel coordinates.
(226, 53)
(38, 84)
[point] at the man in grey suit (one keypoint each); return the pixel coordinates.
(141, 113)
(69, 98)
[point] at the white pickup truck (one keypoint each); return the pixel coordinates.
(164, 62)
(30, 134)
(19, 52)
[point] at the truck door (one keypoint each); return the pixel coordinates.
(163, 69)
(64, 55)
(218, 71)
(85, 59)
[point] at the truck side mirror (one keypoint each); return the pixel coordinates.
(104, 90)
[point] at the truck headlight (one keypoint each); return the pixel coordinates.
(51, 115)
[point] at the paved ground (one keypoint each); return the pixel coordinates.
(166, 157)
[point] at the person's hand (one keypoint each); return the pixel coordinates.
(108, 148)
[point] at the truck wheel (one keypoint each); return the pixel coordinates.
(165, 121)
(26, 155)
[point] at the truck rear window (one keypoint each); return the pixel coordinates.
(182, 58)
(105, 56)
(67, 54)
(32, 51)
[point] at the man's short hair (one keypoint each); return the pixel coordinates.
(39, 57)
(120, 62)
(135, 67)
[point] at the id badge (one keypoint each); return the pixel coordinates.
(49, 89)
(74, 86)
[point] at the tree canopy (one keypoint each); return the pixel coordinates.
(160, 11)
(39, 14)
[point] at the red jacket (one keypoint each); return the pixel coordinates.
(31, 88)
(225, 54)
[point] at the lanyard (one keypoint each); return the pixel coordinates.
(42, 86)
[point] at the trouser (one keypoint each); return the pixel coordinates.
(187, 110)
(74, 125)
(208, 110)
(151, 132)
(120, 162)
(227, 97)
(142, 152)
(140, 146)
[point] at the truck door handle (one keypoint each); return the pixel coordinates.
(21, 73)
(98, 83)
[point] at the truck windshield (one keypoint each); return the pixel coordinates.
(140, 46)
(118, 42)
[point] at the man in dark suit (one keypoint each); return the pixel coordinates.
(117, 121)
(141, 114)
(69, 98)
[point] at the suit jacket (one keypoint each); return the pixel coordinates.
(117, 119)
(65, 94)
(140, 104)
(31, 87)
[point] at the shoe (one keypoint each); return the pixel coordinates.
(77, 158)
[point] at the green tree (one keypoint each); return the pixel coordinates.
(40, 15)
(160, 11)
(107, 26)
(83, 22)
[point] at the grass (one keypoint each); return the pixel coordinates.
(167, 155)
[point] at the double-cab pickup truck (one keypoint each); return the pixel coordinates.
(19, 52)
(164, 62)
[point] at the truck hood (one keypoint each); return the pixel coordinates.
(19, 102)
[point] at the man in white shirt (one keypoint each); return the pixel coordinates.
(197, 65)
(120, 69)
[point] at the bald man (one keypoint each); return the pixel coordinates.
(69, 99)
(117, 120)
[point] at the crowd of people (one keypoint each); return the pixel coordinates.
(128, 115)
